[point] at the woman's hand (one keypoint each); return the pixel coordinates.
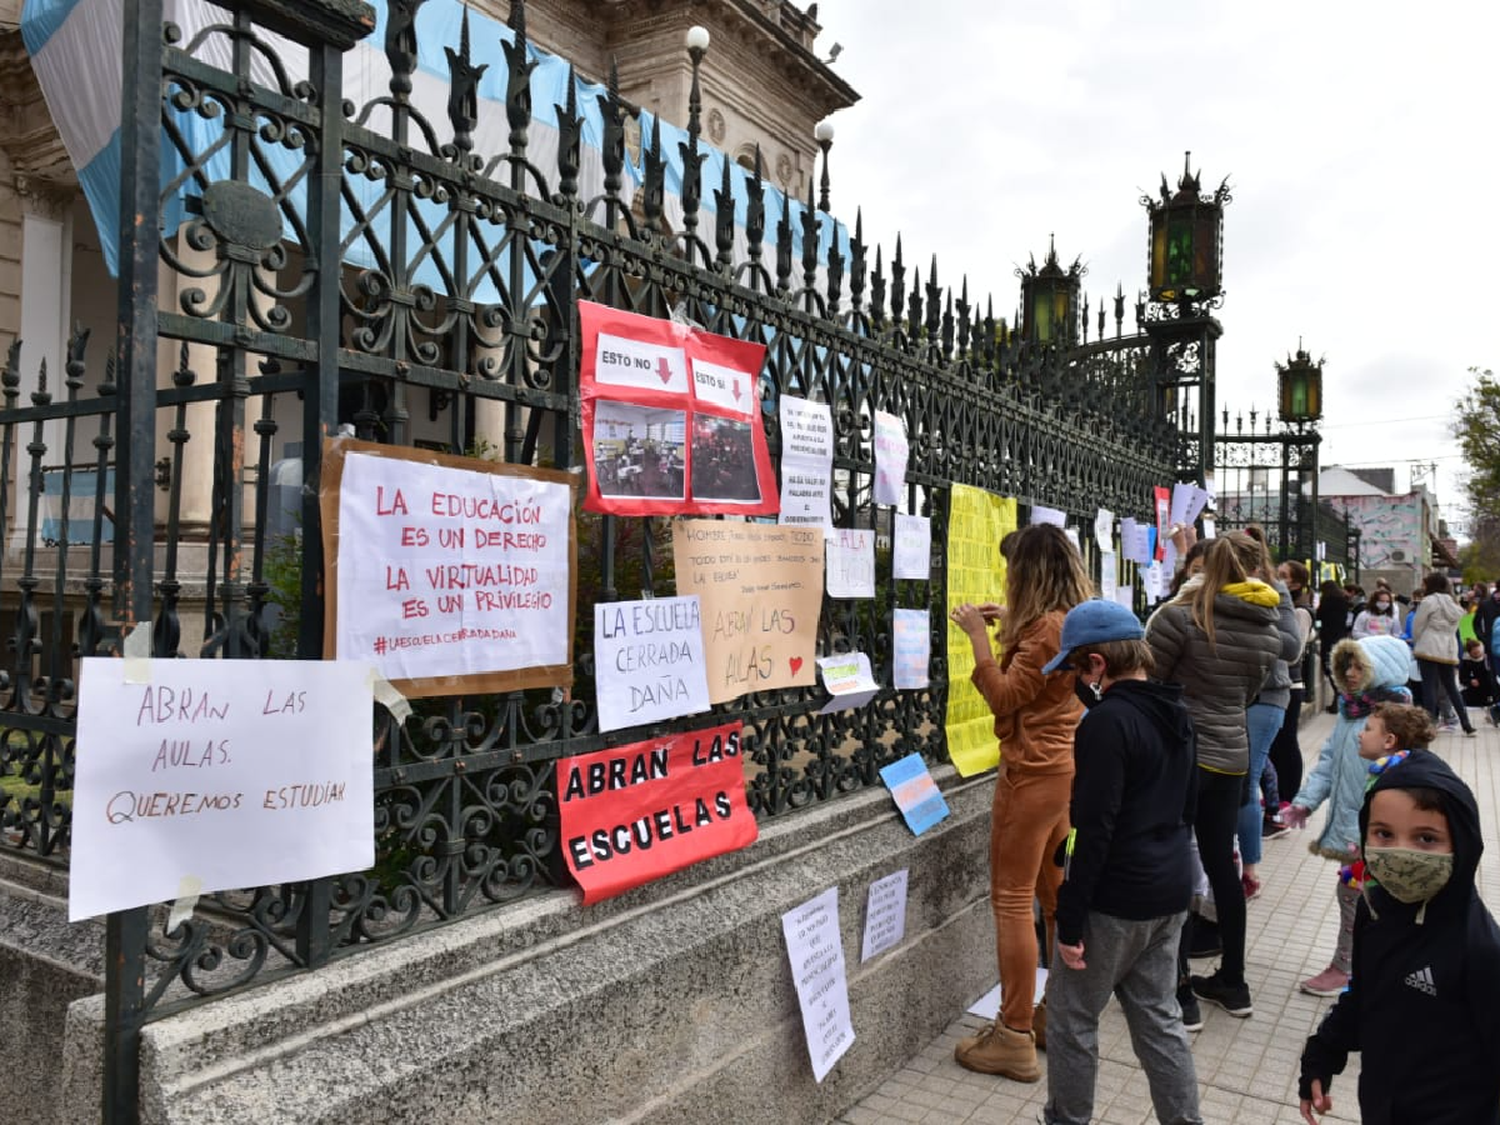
(993, 612)
(971, 619)
(1295, 816)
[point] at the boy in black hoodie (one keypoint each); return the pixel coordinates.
(1128, 878)
(1423, 1003)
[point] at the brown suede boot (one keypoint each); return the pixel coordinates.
(999, 1050)
(1039, 1025)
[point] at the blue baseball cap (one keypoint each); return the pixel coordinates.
(1092, 623)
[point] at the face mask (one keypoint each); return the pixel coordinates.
(1382, 605)
(1407, 874)
(1088, 694)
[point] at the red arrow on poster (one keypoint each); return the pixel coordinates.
(664, 370)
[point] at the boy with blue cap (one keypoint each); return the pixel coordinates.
(1128, 878)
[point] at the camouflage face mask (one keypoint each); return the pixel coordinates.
(1409, 875)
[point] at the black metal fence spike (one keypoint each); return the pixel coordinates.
(517, 87)
(724, 220)
(655, 183)
(810, 232)
(877, 291)
(857, 262)
(755, 211)
(934, 303)
(835, 274)
(613, 111)
(569, 141)
(401, 44)
(898, 286)
(463, 91)
(784, 246)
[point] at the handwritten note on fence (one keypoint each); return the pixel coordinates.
(450, 574)
(816, 951)
(761, 587)
(217, 774)
(648, 661)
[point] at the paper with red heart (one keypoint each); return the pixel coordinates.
(760, 587)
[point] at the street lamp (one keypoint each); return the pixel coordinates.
(1049, 300)
(1187, 229)
(823, 134)
(1300, 386)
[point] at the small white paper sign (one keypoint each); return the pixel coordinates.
(648, 661)
(816, 953)
(1104, 529)
(987, 1007)
(847, 677)
(1208, 528)
(215, 774)
(913, 648)
(1125, 595)
(1151, 582)
(885, 915)
(1108, 575)
(851, 563)
(1188, 500)
(912, 550)
(890, 457)
(1072, 534)
(806, 463)
(1040, 514)
(1135, 540)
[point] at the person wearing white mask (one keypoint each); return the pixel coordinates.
(1378, 618)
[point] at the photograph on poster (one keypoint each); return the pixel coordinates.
(638, 450)
(723, 460)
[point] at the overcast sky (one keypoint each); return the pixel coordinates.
(1359, 141)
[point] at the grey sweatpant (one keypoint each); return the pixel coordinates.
(1136, 961)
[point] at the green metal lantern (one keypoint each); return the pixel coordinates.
(1049, 300)
(1300, 388)
(1187, 231)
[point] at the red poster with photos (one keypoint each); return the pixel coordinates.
(671, 419)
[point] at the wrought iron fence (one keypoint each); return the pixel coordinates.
(309, 264)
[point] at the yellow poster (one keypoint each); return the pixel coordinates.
(977, 521)
(761, 588)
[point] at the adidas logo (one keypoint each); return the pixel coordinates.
(1422, 980)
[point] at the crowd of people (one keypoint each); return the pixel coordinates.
(1143, 766)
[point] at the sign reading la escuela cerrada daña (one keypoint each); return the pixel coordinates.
(635, 813)
(447, 573)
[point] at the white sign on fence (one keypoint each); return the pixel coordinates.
(208, 775)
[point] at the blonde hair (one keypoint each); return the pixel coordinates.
(1044, 574)
(1223, 565)
(1255, 552)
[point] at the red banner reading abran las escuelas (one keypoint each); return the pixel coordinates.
(634, 813)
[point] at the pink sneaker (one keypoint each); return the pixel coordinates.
(1330, 982)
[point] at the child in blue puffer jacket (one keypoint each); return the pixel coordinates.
(1369, 671)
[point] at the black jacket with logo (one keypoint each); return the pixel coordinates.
(1423, 1003)
(1134, 786)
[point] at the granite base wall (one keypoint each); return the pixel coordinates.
(673, 1002)
(45, 966)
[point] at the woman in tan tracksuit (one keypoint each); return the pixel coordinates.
(1035, 717)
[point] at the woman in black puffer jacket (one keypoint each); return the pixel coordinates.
(1219, 639)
